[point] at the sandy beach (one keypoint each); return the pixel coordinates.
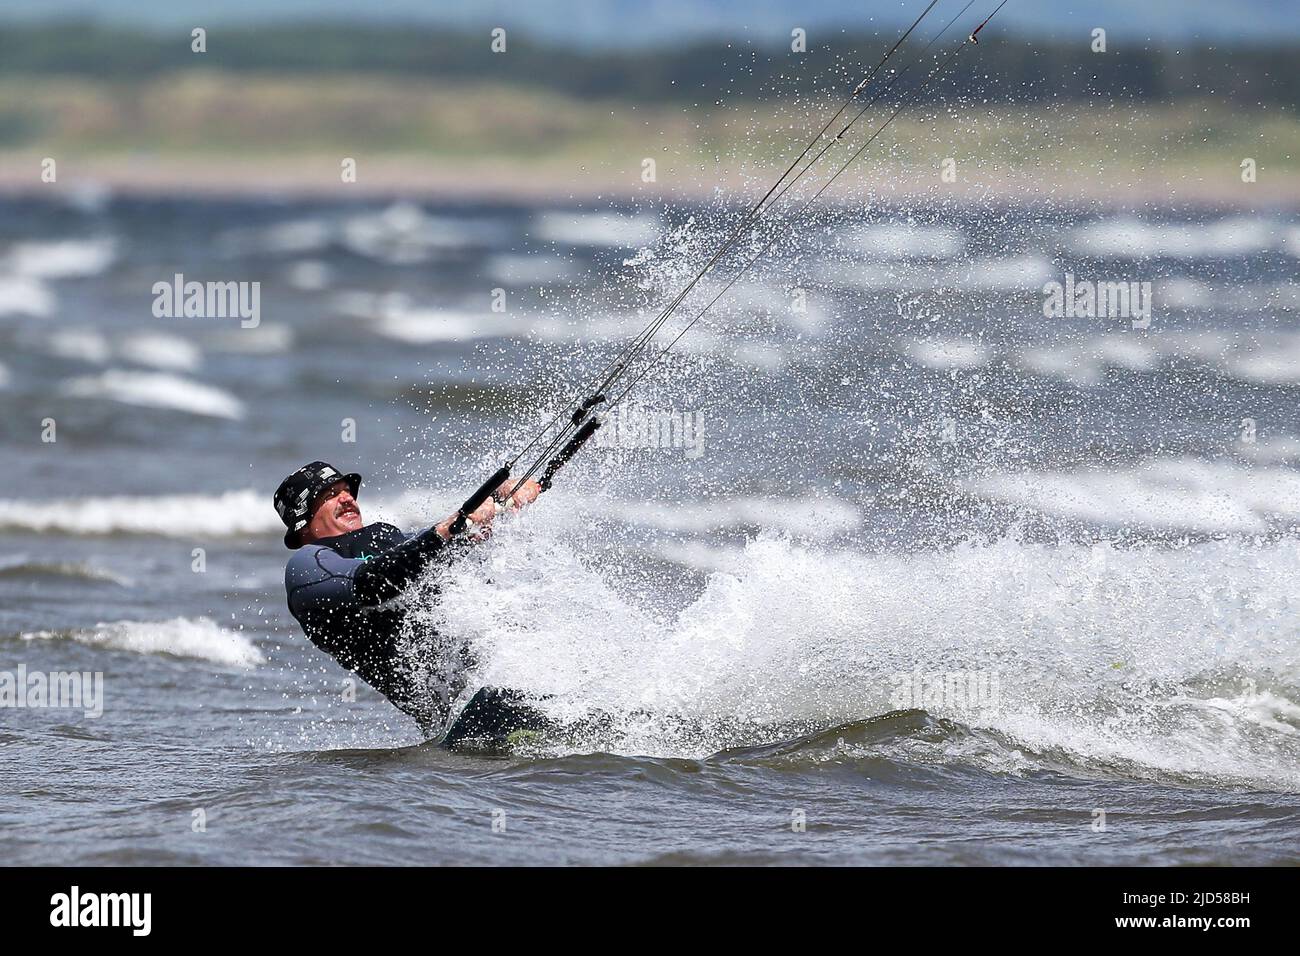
(509, 180)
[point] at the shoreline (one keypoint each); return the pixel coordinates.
(316, 178)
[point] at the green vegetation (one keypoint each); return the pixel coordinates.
(441, 101)
(1008, 68)
(220, 114)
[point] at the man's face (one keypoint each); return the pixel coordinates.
(334, 512)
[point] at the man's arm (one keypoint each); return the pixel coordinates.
(319, 578)
(391, 572)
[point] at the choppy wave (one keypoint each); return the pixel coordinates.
(405, 234)
(263, 340)
(159, 350)
(157, 390)
(427, 326)
(598, 228)
(218, 515)
(1012, 273)
(22, 565)
(61, 258)
(1150, 662)
(23, 295)
(1132, 238)
(176, 516)
(1267, 358)
(903, 241)
(814, 518)
(198, 638)
(528, 270)
(402, 233)
(951, 353)
(393, 316)
(80, 345)
(1184, 494)
(154, 349)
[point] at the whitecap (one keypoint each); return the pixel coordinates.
(159, 350)
(24, 295)
(891, 241)
(61, 259)
(156, 390)
(949, 354)
(1183, 494)
(197, 638)
(611, 229)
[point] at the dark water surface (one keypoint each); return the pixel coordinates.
(936, 578)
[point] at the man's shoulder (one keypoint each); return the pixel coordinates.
(304, 564)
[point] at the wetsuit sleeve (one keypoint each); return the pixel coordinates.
(387, 575)
(319, 578)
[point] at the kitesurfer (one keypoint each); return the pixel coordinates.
(345, 576)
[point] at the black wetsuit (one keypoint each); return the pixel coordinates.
(342, 590)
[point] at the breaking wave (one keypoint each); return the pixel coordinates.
(1157, 662)
(198, 638)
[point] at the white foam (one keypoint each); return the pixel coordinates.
(1020, 273)
(61, 259)
(813, 518)
(159, 350)
(1183, 494)
(219, 514)
(156, 349)
(404, 234)
(81, 345)
(24, 295)
(1184, 293)
(265, 339)
(427, 326)
(1011, 274)
(309, 275)
(1125, 351)
(292, 237)
(1265, 709)
(1291, 240)
(1269, 360)
(702, 557)
(178, 516)
(528, 270)
(1132, 238)
(197, 638)
(598, 228)
(745, 351)
(1065, 363)
(157, 390)
(392, 236)
(954, 353)
(20, 563)
(1100, 652)
(1270, 449)
(891, 241)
